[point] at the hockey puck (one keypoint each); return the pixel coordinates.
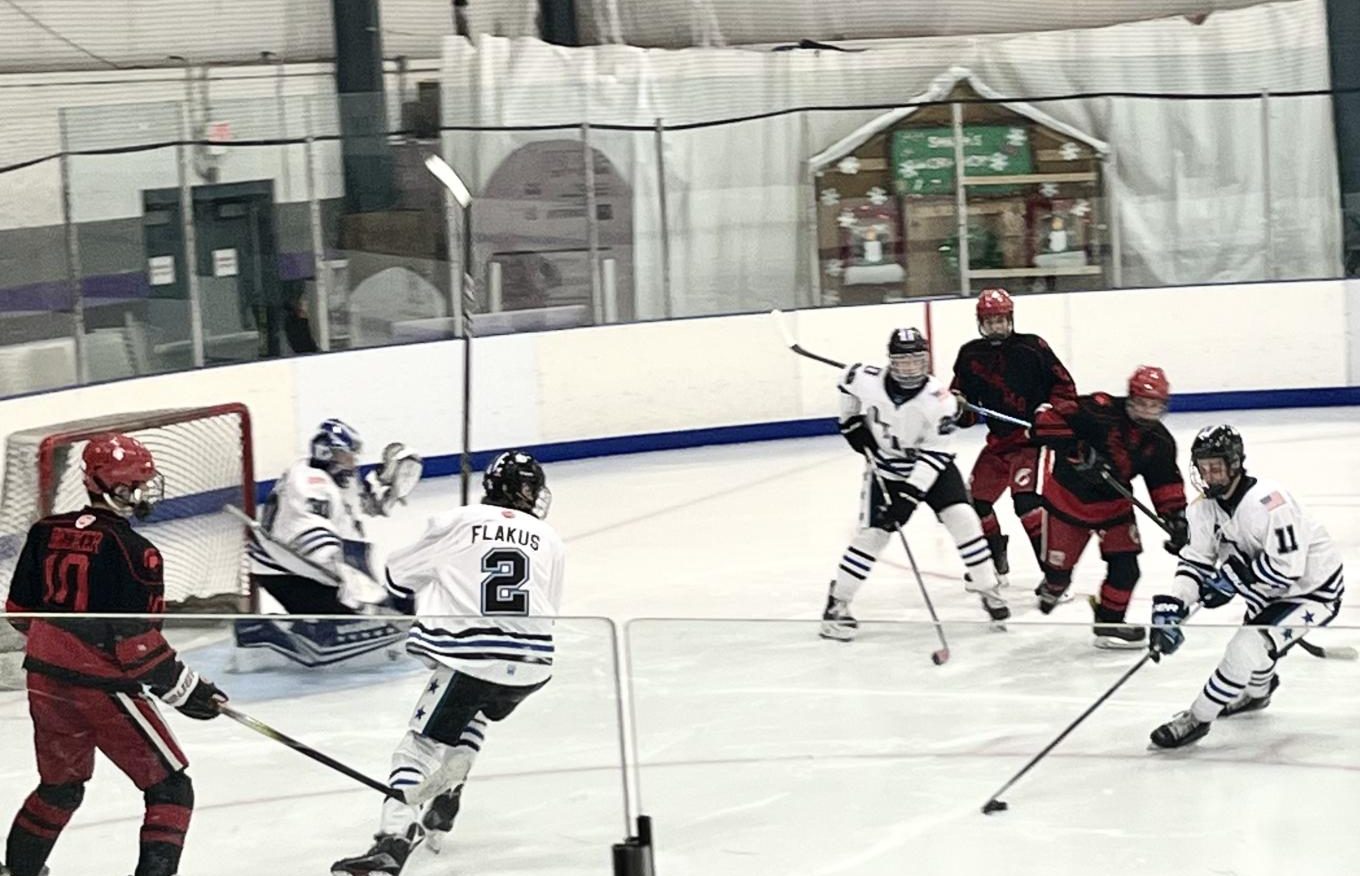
(994, 806)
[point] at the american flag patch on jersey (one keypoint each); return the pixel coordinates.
(1273, 501)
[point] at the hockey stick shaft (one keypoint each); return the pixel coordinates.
(263, 535)
(793, 345)
(1034, 761)
(943, 654)
(307, 751)
(1067, 731)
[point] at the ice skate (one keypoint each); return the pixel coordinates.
(1050, 598)
(992, 603)
(1180, 730)
(1249, 703)
(1111, 633)
(387, 856)
(438, 818)
(837, 622)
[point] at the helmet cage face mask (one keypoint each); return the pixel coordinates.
(1145, 410)
(335, 448)
(996, 327)
(909, 369)
(1217, 444)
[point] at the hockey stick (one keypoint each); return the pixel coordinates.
(792, 344)
(1343, 652)
(995, 803)
(459, 191)
(413, 796)
(263, 535)
(942, 655)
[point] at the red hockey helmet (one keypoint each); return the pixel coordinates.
(993, 306)
(1149, 392)
(119, 468)
(994, 302)
(1150, 382)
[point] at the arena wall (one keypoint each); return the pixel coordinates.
(650, 386)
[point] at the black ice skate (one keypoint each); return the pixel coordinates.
(1050, 597)
(387, 857)
(1249, 703)
(1180, 730)
(1112, 633)
(837, 622)
(438, 818)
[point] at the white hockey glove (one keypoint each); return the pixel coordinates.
(389, 486)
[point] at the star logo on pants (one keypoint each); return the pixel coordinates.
(1288, 634)
(420, 713)
(1308, 617)
(434, 685)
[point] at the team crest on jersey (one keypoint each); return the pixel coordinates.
(1057, 558)
(151, 559)
(84, 520)
(1023, 477)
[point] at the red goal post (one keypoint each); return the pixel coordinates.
(205, 455)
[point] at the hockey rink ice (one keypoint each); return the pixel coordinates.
(763, 749)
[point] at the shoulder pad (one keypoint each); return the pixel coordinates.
(1104, 399)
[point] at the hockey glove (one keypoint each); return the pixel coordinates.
(856, 433)
(1180, 532)
(1166, 634)
(966, 416)
(948, 425)
(194, 697)
(1217, 591)
(389, 486)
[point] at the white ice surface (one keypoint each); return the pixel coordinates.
(765, 750)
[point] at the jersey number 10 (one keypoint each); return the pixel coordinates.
(503, 588)
(66, 581)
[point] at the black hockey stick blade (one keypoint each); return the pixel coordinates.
(307, 751)
(793, 345)
(1344, 652)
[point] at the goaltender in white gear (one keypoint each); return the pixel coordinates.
(1249, 537)
(897, 418)
(311, 555)
(484, 582)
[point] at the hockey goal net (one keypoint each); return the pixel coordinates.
(204, 455)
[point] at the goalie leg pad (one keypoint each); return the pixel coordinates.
(319, 643)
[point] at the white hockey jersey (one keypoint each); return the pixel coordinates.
(910, 446)
(486, 582)
(1291, 555)
(315, 516)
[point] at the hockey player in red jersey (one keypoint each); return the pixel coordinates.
(1011, 373)
(86, 677)
(1125, 438)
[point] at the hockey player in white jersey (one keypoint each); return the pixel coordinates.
(313, 556)
(897, 420)
(484, 582)
(1248, 537)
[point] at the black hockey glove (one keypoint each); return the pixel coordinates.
(1179, 535)
(1166, 635)
(1217, 591)
(194, 697)
(856, 433)
(1086, 458)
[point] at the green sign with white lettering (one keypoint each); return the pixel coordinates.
(923, 158)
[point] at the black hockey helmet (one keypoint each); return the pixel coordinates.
(514, 479)
(908, 357)
(1217, 442)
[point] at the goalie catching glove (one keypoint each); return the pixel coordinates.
(389, 486)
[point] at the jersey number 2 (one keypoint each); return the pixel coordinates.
(503, 588)
(66, 581)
